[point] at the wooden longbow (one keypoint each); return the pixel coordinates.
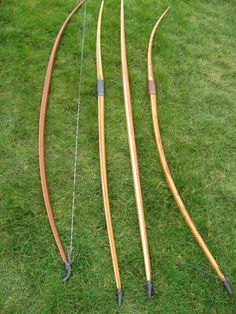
(164, 164)
(102, 154)
(133, 155)
(42, 125)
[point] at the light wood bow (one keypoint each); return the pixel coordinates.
(164, 164)
(133, 155)
(102, 154)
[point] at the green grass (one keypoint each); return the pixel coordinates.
(194, 61)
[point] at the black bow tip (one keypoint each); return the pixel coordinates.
(68, 269)
(227, 286)
(149, 289)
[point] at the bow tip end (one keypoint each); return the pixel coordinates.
(149, 289)
(68, 269)
(227, 286)
(119, 296)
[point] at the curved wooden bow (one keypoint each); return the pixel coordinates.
(133, 154)
(102, 154)
(169, 179)
(42, 125)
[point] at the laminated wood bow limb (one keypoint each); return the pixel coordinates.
(102, 154)
(165, 167)
(134, 156)
(42, 125)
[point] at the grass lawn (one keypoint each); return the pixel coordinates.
(195, 66)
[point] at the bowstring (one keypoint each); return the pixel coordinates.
(73, 205)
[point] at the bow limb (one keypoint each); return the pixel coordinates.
(133, 155)
(152, 37)
(102, 154)
(164, 164)
(42, 125)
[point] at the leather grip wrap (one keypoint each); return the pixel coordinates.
(152, 87)
(100, 88)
